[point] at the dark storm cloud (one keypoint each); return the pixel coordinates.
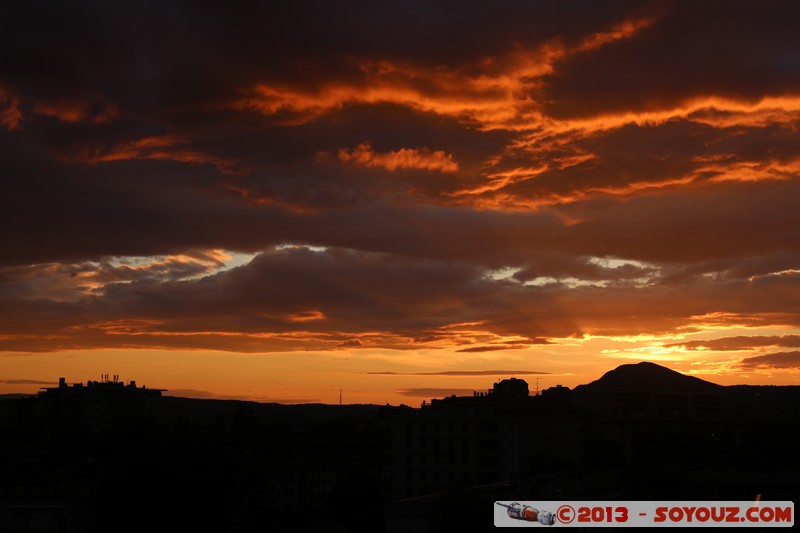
(302, 299)
(325, 298)
(336, 290)
(167, 55)
(736, 50)
(643, 158)
(728, 220)
(620, 158)
(282, 147)
(155, 207)
(551, 265)
(431, 146)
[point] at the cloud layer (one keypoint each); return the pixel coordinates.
(403, 176)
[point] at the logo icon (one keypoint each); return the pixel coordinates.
(528, 513)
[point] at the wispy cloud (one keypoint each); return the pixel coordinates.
(434, 392)
(463, 373)
(27, 382)
(740, 343)
(478, 349)
(774, 360)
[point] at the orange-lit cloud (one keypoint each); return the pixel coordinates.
(415, 158)
(76, 111)
(160, 148)
(487, 94)
(292, 106)
(10, 114)
(95, 111)
(701, 109)
(624, 30)
(306, 316)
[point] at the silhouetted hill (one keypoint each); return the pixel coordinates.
(14, 396)
(215, 411)
(645, 388)
(644, 377)
(648, 390)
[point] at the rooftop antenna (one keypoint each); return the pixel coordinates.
(340, 396)
(536, 392)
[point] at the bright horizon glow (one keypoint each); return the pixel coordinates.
(315, 377)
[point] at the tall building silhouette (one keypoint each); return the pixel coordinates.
(98, 405)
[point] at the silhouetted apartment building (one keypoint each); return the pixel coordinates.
(665, 405)
(98, 405)
(501, 435)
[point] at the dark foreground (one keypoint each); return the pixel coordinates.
(131, 461)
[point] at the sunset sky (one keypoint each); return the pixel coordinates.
(403, 200)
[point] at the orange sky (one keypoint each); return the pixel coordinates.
(222, 207)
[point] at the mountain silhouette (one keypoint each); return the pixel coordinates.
(643, 384)
(645, 377)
